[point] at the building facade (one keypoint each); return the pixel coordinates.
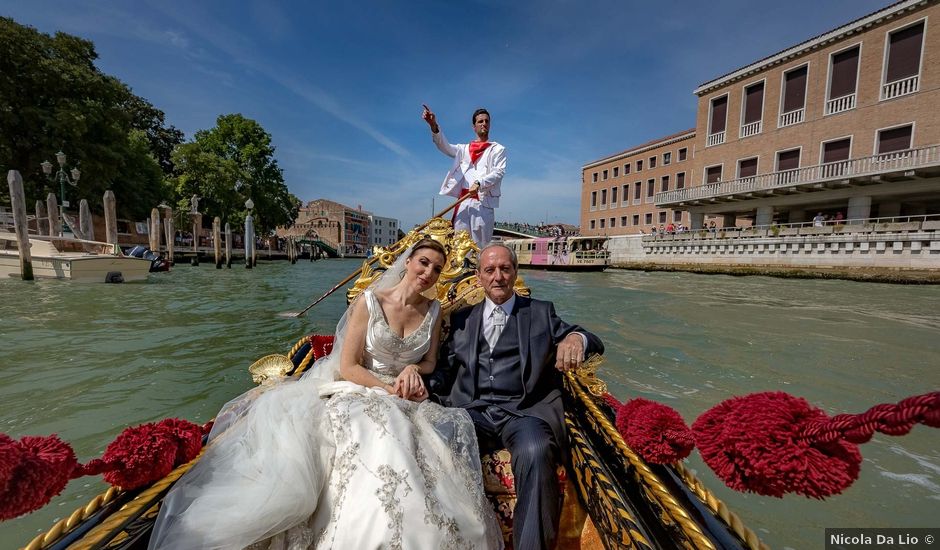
(384, 231)
(843, 126)
(618, 192)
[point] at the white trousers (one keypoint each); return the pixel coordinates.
(476, 219)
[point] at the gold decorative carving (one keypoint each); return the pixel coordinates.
(269, 368)
(587, 375)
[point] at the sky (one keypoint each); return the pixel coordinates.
(339, 85)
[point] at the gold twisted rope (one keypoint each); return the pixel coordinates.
(296, 347)
(719, 508)
(144, 500)
(64, 526)
(671, 508)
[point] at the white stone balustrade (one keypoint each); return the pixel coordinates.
(840, 104)
(748, 130)
(900, 87)
(792, 117)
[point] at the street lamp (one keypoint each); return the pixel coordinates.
(62, 177)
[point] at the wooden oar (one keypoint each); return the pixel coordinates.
(373, 260)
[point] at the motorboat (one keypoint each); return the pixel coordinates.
(71, 258)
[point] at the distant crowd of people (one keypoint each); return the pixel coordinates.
(821, 219)
(670, 229)
(541, 230)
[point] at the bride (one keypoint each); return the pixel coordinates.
(352, 455)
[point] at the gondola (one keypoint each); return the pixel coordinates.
(613, 498)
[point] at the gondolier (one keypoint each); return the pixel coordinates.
(477, 170)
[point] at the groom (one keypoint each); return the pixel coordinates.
(502, 361)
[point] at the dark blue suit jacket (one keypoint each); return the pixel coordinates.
(540, 330)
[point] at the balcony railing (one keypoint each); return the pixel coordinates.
(922, 222)
(840, 104)
(866, 166)
(715, 139)
(791, 118)
(900, 87)
(751, 129)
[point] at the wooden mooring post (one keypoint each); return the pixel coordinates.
(110, 217)
(217, 241)
(155, 230)
(42, 223)
(18, 202)
(55, 222)
(85, 221)
(249, 241)
(197, 225)
(170, 235)
(228, 245)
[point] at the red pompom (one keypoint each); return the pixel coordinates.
(32, 471)
(9, 457)
(188, 438)
(138, 456)
(655, 431)
(755, 443)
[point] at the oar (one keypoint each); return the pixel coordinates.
(373, 260)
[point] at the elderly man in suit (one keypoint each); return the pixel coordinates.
(502, 361)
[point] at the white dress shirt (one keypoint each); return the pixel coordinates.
(489, 306)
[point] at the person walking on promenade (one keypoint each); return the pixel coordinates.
(477, 170)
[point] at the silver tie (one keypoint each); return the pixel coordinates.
(497, 323)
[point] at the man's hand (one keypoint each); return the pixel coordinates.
(570, 353)
(429, 117)
(475, 190)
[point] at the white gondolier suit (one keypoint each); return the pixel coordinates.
(474, 215)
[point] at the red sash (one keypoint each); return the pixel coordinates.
(463, 193)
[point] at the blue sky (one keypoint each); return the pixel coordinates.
(339, 85)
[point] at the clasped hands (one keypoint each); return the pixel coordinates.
(409, 385)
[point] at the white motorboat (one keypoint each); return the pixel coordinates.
(71, 258)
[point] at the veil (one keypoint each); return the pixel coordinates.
(263, 449)
(327, 368)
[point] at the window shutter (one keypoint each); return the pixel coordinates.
(844, 71)
(754, 102)
(794, 90)
(904, 52)
(834, 151)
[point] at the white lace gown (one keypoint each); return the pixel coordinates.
(317, 463)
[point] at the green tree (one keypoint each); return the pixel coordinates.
(52, 97)
(227, 165)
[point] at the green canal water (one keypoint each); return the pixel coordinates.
(85, 361)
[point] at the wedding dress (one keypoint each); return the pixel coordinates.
(321, 463)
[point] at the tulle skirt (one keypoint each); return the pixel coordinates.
(319, 464)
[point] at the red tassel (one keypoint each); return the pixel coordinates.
(33, 470)
(655, 431)
(755, 443)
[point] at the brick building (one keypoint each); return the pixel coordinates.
(844, 124)
(618, 192)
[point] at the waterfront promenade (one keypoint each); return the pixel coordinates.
(905, 250)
